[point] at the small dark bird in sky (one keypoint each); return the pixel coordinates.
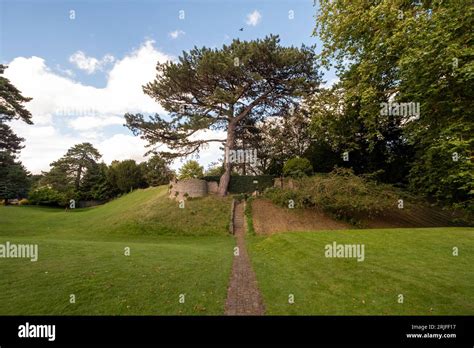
(241, 29)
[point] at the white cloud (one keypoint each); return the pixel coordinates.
(66, 112)
(44, 144)
(177, 33)
(90, 64)
(90, 122)
(59, 100)
(253, 18)
(121, 147)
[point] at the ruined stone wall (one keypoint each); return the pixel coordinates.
(212, 186)
(191, 187)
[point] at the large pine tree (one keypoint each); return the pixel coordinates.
(218, 89)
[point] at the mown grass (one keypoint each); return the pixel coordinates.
(173, 251)
(417, 263)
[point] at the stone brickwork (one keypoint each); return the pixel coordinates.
(212, 186)
(191, 187)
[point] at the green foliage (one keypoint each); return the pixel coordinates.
(14, 179)
(401, 51)
(76, 162)
(339, 193)
(126, 176)
(47, 196)
(445, 171)
(249, 217)
(220, 89)
(96, 185)
(297, 167)
(216, 171)
(156, 172)
(9, 141)
(191, 169)
(12, 101)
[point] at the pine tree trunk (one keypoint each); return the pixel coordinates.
(229, 145)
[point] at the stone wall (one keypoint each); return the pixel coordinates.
(191, 187)
(212, 186)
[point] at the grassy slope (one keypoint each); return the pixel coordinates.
(417, 263)
(173, 251)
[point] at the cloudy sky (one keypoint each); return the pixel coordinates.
(84, 62)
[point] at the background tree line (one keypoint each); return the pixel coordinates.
(78, 175)
(268, 97)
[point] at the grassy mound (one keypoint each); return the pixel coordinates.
(145, 212)
(173, 251)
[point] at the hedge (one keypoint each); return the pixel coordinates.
(245, 183)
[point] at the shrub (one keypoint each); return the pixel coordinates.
(340, 193)
(24, 201)
(297, 167)
(47, 196)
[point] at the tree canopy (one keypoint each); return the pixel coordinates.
(218, 89)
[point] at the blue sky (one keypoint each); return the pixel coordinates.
(90, 54)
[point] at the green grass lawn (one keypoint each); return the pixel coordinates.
(417, 263)
(173, 251)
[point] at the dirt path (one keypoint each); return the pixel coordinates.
(243, 296)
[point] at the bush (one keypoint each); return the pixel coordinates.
(47, 196)
(297, 167)
(340, 193)
(24, 201)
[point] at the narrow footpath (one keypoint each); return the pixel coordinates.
(243, 295)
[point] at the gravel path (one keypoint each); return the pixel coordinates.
(243, 296)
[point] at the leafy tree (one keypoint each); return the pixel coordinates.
(47, 196)
(297, 167)
(403, 51)
(218, 89)
(77, 161)
(339, 125)
(126, 175)
(11, 101)
(95, 184)
(9, 141)
(191, 169)
(284, 138)
(215, 169)
(156, 171)
(58, 179)
(14, 179)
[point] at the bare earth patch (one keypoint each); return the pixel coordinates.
(269, 218)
